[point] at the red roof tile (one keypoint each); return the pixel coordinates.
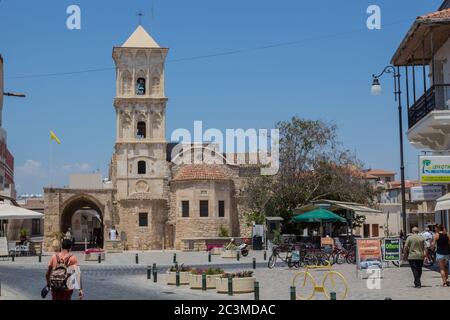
(438, 15)
(201, 172)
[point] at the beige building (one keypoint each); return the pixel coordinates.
(154, 202)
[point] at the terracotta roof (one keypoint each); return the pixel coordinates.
(408, 184)
(379, 172)
(201, 172)
(436, 16)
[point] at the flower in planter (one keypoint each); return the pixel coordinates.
(180, 268)
(94, 250)
(242, 274)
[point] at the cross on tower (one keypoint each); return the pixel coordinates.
(140, 14)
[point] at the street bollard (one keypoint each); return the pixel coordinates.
(149, 272)
(174, 258)
(177, 278)
(137, 258)
(230, 285)
(40, 258)
(99, 258)
(265, 255)
(237, 256)
(293, 294)
(254, 263)
(256, 290)
(155, 273)
(209, 256)
(12, 257)
(203, 281)
(332, 295)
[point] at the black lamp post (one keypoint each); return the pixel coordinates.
(376, 90)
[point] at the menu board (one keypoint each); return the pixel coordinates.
(3, 247)
(368, 254)
(392, 249)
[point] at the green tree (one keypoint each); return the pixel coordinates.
(313, 166)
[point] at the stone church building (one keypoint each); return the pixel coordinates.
(153, 202)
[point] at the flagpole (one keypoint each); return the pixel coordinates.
(50, 163)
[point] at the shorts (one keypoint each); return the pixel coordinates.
(440, 257)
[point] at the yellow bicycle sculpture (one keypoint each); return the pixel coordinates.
(332, 281)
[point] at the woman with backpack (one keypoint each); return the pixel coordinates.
(58, 273)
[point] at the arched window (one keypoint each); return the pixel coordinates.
(141, 130)
(142, 167)
(140, 87)
(156, 86)
(126, 83)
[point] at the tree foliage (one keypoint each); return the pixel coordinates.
(313, 166)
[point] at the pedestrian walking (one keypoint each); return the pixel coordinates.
(441, 242)
(61, 267)
(113, 234)
(414, 252)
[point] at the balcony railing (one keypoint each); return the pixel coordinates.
(437, 97)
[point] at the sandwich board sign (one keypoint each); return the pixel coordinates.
(392, 250)
(368, 255)
(4, 247)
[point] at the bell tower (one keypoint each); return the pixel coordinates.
(139, 167)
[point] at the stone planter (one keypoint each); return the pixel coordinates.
(240, 285)
(229, 254)
(172, 278)
(93, 256)
(195, 281)
(217, 251)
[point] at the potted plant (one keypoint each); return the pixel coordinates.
(184, 274)
(23, 233)
(195, 277)
(243, 282)
(230, 251)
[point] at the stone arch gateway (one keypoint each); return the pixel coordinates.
(62, 204)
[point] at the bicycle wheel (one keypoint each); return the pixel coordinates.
(339, 258)
(335, 282)
(311, 259)
(304, 285)
(272, 261)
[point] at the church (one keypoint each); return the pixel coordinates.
(154, 202)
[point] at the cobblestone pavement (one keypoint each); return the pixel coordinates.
(24, 279)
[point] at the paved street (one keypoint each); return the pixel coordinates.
(24, 278)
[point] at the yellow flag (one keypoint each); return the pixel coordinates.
(54, 137)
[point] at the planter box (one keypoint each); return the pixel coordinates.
(217, 250)
(93, 256)
(195, 281)
(229, 254)
(172, 278)
(240, 285)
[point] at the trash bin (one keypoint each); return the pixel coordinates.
(257, 243)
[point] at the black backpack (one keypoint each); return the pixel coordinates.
(60, 274)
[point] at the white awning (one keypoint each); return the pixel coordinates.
(443, 203)
(11, 212)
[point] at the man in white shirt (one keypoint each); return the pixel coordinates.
(113, 234)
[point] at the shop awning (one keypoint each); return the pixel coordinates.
(443, 203)
(11, 212)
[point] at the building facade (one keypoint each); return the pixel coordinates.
(153, 201)
(423, 58)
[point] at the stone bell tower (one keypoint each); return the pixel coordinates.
(139, 170)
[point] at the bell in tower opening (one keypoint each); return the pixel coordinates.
(140, 87)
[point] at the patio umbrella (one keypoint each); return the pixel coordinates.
(11, 212)
(318, 215)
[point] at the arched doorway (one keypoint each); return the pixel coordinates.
(84, 216)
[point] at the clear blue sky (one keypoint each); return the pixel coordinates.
(324, 78)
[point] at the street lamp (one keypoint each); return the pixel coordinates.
(376, 90)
